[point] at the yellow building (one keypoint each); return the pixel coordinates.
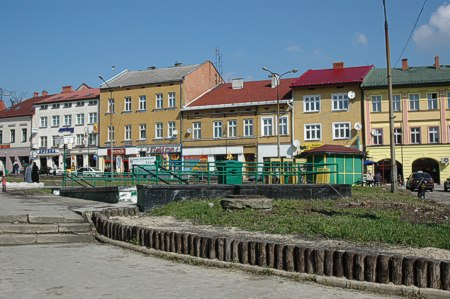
(140, 111)
(328, 107)
(421, 107)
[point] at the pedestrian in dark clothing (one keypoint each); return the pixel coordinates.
(421, 190)
(35, 173)
(377, 179)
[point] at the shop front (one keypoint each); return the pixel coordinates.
(47, 158)
(10, 155)
(120, 161)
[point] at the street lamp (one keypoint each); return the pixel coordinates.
(110, 125)
(277, 78)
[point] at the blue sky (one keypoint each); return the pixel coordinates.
(45, 44)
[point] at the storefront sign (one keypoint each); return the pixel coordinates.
(117, 151)
(50, 151)
(63, 130)
(142, 161)
(165, 149)
(4, 145)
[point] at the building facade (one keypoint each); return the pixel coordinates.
(421, 108)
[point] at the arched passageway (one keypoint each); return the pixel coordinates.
(427, 165)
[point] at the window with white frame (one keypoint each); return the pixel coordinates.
(312, 132)
(24, 135)
(68, 120)
(55, 140)
(92, 139)
(311, 103)
(12, 135)
(67, 105)
(341, 130)
(110, 133)
(170, 129)
(398, 136)
(339, 102)
(43, 107)
(396, 102)
(171, 99)
(80, 138)
(80, 104)
(283, 127)
(414, 102)
(142, 103)
(159, 100)
(267, 126)
(55, 106)
(415, 135)
(43, 142)
(158, 130)
(92, 102)
(43, 122)
(92, 117)
(55, 121)
(248, 127)
(232, 128)
(111, 108)
(217, 129)
(433, 134)
(376, 103)
(197, 130)
(127, 132)
(143, 131)
(377, 135)
(127, 105)
(432, 99)
(80, 119)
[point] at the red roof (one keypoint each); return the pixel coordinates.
(81, 94)
(332, 149)
(252, 92)
(332, 76)
(24, 108)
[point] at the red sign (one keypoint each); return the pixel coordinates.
(4, 146)
(117, 151)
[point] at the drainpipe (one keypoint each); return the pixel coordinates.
(181, 121)
(292, 123)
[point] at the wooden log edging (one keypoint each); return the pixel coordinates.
(352, 265)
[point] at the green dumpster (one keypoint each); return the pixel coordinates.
(229, 172)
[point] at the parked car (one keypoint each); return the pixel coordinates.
(46, 170)
(447, 184)
(417, 178)
(89, 171)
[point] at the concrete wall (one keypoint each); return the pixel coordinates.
(107, 194)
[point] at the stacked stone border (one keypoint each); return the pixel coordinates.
(392, 274)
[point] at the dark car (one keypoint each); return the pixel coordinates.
(417, 178)
(447, 184)
(47, 170)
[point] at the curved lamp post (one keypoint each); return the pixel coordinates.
(277, 78)
(110, 126)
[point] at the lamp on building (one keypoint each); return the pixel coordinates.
(277, 78)
(110, 125)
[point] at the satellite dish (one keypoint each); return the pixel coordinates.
(175, 132)
(374, 131)
(189, 130)
(351, 95)
(296, 143)
(357, 126)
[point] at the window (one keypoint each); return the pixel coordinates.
(311, 103)
(55, 140)
(111, 108)
(142, 131)
(80, 138)
(127, 102)
(170, 129)
(44, 107)
(232, 128)
(55, 121)
(92, 139)
(398, 136)
(110, 133)
(197, 130)
(80, 104)
(55, 106)
(415, 136)
(68, 120)
(67, 105)
(313, 132)
(127, 132)
(448, 100)
(341, 130)
(217, 129)
(1, 136)
(43, 141)
(413, 102)
(248, 127)
(172, 99)
(24, 135)
(159, 100)
(92, 117)
(43, 122)
(92, 102)
(158, 130)
(377, 135)
(340, 102)
(433, 134)
(376, 103)
(13, 136)
(80, 119)
(142, 103)
(432, 101)
(267, 126)
(396, 102)
(283, 125)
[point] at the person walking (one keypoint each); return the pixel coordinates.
(16, 167)
(35, 173)
(377, 179)
(4, 183)
(27, 175)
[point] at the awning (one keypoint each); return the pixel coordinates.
(370, 162)
(62, 130)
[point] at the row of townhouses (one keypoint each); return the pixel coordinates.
(189, 113)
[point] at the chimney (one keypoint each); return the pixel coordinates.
(44, 93)
(405, 66)
(237, 83)
(151, 67)
(178, 64)
(436, 62)
(338, 65)
(35, 94)
(67, 89)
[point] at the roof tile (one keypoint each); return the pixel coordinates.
(332, 76)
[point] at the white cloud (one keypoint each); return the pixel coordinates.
(436, 32)
(360, 39)
(293, 48)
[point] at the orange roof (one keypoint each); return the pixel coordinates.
(24, 108)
